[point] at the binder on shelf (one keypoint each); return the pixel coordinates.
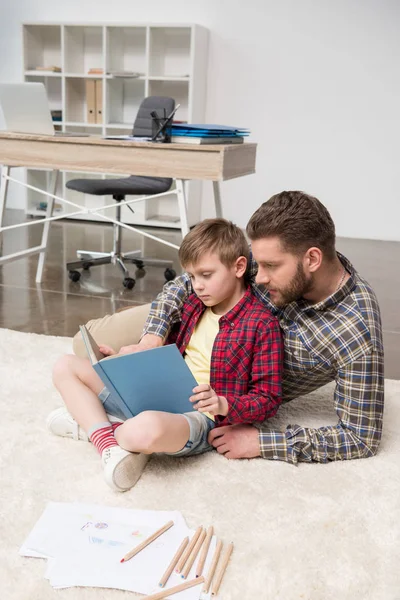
(91, 100)
(99, 100)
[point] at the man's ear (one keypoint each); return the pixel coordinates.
(240, 266)
(312, 259)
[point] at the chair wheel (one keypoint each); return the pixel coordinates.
(74, 275)
(139, 264)
(129, 282)
(169, 274)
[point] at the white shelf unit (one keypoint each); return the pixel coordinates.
(171, 60)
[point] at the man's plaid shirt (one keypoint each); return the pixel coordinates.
(246, 359)
(339, 339)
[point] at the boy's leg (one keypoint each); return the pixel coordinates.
(179, 435)
(154, 431)
(79, 386)
(120, 329)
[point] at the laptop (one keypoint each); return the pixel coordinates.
(25, 109)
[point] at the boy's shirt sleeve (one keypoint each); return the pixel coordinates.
(265, 390)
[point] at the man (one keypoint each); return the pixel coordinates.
(332, 331)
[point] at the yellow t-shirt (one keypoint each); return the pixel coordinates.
(199, 349)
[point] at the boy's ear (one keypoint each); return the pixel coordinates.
(240, 266)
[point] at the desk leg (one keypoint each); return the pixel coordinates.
(5, 172)
(180, 191)
(46, 226)
(217, 199)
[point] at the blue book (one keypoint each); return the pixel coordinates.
(156, 379)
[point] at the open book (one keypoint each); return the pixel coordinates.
(156, 379)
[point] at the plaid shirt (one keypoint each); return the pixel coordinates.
(246, 359)
(339, 339)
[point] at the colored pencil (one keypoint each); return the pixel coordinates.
(188, 550)
(193, 554)
(147, 541)
(174, 590)
(213, 566)
(204, 551)
(173, 562)
(221, 572)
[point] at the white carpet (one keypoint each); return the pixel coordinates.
(315, 532)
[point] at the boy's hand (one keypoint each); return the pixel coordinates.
(106, 350)
(206, 400)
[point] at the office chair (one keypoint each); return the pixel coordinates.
(118, 189)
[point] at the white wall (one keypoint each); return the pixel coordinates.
(317, 81)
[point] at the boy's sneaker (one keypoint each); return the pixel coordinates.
(61, 422)
(122, 469)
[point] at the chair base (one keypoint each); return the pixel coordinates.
(88, 259)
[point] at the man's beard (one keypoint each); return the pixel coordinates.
(296, 289)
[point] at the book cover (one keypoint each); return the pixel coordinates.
(156, 379)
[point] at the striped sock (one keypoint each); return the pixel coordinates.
(102, 437)
(115, 426)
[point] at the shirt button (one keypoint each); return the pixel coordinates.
(232, 324)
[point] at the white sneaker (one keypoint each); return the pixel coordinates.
(122, 469)
(61, 422)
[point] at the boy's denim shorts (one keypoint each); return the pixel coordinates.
(199, 425)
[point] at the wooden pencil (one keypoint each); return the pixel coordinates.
(213, 566)
(204, 551)
(174, 590)
(193, 554)
(148, 541)
(222, 569)
(188, 550)
(173, 562)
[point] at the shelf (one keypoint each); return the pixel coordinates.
(126, 49)
(42, 46)
(172, 60)
(123, 98)
(168, 78)
(34, 72)
(169, 52)
(83, 48)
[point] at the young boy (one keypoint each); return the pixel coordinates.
(231, 343)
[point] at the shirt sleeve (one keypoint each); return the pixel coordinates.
(265, 390)
(359, 399)
(166, 309)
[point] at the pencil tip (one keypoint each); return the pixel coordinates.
(122, 560)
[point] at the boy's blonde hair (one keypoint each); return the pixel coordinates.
(214, 235)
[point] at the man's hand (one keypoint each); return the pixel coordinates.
(235, 441)
(206, 400)
(148, 341)
(106, 350)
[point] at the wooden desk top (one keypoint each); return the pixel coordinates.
(92, 154)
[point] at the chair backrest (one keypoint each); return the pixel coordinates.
(25, 108)
(143, 122)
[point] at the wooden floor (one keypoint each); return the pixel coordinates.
(58, 306)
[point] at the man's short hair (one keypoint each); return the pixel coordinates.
(214, 235)
(299, 221)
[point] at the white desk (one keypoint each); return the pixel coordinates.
(180, 161)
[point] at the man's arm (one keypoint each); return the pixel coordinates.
(359, 398)
(166, 309)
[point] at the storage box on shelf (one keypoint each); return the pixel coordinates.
(130, 62)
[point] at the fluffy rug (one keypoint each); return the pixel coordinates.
(312, 532)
